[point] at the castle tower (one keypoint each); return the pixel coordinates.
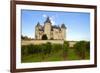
(63, 30)
(47, 28)
(37, 35)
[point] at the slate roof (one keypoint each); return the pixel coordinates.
(38, 24)
(63, 26)
(48, 20)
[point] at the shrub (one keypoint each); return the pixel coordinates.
(47, 48)
(24, 50)
(56, 47)
(81, 47)
(65, 49)
(88, 46)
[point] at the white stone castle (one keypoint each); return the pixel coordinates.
(51, 32)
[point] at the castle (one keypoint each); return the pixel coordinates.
(49, 31)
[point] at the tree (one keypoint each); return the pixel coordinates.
(25, 37)
(88, 47)
(22, 37)
(44, 37)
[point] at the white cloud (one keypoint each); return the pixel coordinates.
(52, 20)
(44, 15)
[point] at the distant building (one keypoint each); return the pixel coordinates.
(51, 32)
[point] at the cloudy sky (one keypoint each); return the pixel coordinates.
(78, 24)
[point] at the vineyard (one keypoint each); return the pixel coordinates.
(55, 52)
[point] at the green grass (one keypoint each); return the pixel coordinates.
(56, 56)
(39, 57)
(32, 58)
(72, 55)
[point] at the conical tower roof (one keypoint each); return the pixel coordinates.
(48, 20)
(38, 24)
(63, 26)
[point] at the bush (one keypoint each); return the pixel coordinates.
(47, 48)
(24, 50)
(56, 47)
(65, 49)
(81, 47)
(88, 46)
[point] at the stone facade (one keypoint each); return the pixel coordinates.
(52, 32)
(37, 42)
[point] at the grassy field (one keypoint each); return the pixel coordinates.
(56, 56)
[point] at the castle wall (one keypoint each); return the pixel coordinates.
(63, 33)
(47, 30)
(55, 34)
(36, 42)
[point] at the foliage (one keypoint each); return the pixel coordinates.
(81, 47)
(88, 46)
(65, 49)
(65, 46)
(25, 37)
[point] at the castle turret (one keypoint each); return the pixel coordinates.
(37, 28)
(63, 26)
(47, 20)
(38, 24)
(63, 30)
(47, 28)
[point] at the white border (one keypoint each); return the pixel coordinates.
(20, 65)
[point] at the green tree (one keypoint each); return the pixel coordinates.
(25, 37)
(88, 47)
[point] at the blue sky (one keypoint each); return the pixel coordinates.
(77, 23)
